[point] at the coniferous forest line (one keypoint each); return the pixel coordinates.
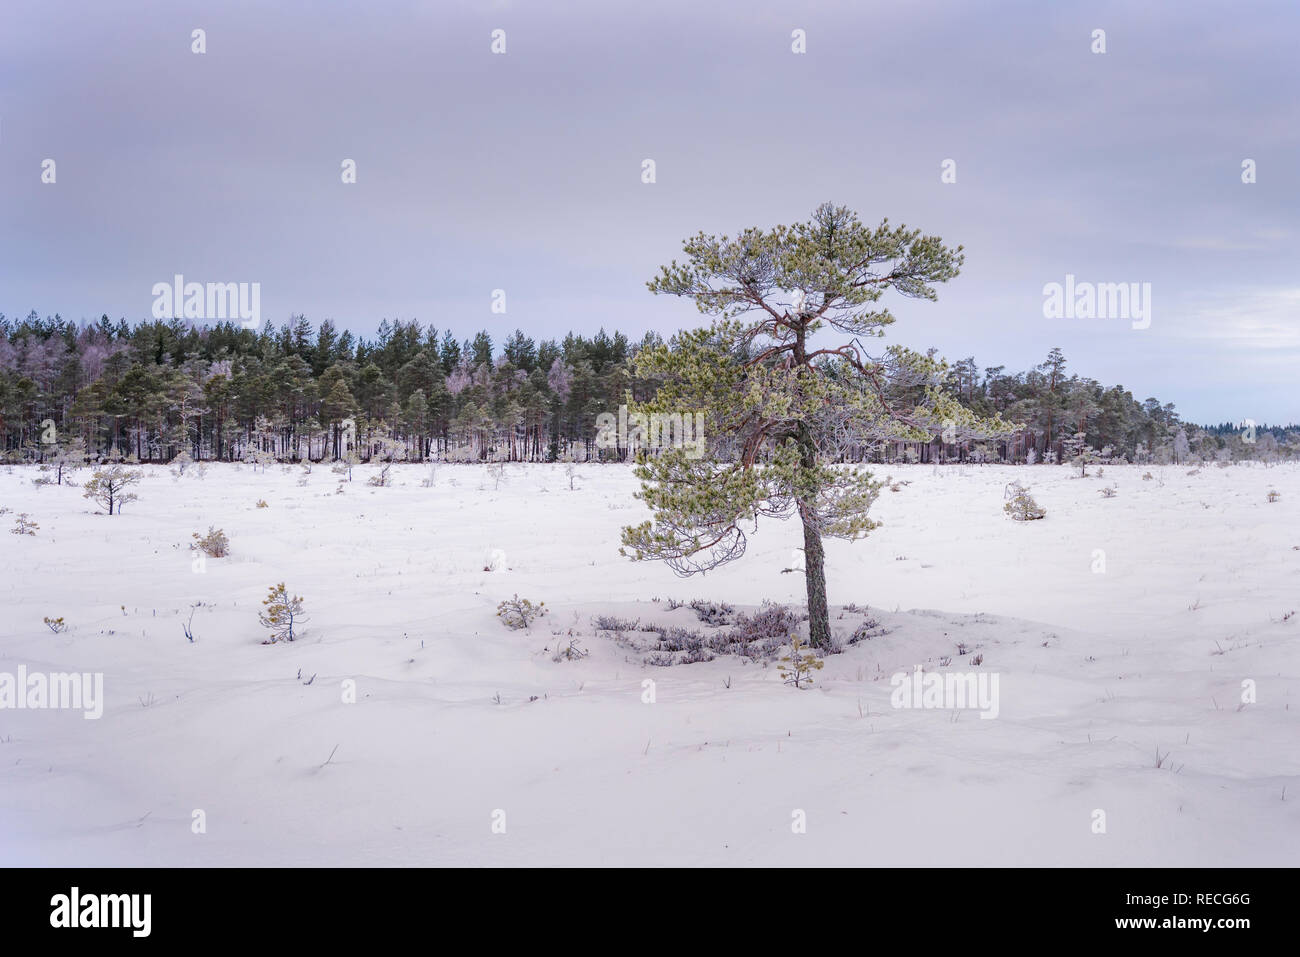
(159, 389)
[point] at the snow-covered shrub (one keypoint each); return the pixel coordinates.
(679, 646)
(55, 625)
(1022, 507)
(1109, 491)
(870, 628)
(261, 503)
(610, 623)
(516, 613)
(770, 621)
(108, 487)
(281, 614)
(1274, 495)
(215, 544)
(1147, 476)
(714, 613)
(760, 637)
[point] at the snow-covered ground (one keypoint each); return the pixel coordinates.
(458, 719)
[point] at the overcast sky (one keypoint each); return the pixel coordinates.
(522, 171)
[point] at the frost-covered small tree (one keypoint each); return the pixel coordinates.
(257, 458)
(108, 486)
(778, 408)
(70, 456)
(570, 468)
(1182, 448)
(1077, 451)
(385, 448)
(281, 614)
(347, 463)
(181, 462)
(1021, 505)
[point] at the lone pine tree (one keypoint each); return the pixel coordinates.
(781, 413)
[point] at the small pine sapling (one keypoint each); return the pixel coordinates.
(23, 525)
(215, 544)
(282, 613)
(109, 487)
(1022, 507)
(797, 668)
(350, 460)
(1079, 452)
(180, 462)
(517, 613)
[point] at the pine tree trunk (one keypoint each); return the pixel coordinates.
(814, 556)
(814, 562)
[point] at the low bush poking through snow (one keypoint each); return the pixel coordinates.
(612, 623)
(570, 652)
(713, 612)
(517, 613)
(214, 544)
(770, 621)
(281, 614)
(261, 503)
(1022, 507)
(797, 669)
(759, 637)
(870, 628)
(1274, 495)
(55, 625)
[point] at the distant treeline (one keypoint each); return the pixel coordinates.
(158, 389)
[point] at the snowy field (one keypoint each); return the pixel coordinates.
(1120, 678)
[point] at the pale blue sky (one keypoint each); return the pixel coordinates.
(522, 171)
